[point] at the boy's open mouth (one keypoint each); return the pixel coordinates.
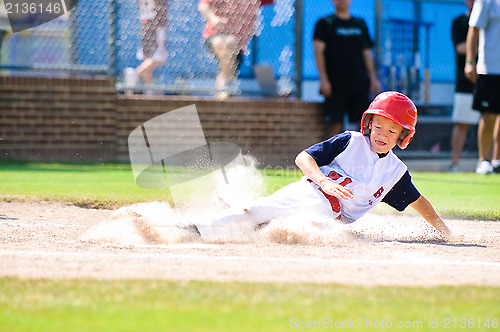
(380, 143)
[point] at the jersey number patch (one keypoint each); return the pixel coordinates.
(379, 192)
(335, 176)
(334, 202)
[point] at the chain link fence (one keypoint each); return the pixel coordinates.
(413, 45)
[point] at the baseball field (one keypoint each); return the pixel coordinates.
(83, 248)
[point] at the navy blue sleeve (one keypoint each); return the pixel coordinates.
(402, 194)
(324, 152)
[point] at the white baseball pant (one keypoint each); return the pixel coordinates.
(300, 197)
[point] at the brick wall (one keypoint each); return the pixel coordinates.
(84, 120)
(57, 119)
(273, 131)
(71, 119)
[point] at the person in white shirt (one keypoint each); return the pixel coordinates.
(483, 42)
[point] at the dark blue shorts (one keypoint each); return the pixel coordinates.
(352, 103)
(487, 94)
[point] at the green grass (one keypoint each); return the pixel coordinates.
(90, 185)
(89, 305)
(462, 195)
(151, 305)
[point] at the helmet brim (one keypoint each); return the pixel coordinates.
(390, 117)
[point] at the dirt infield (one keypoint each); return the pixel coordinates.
(53, 240)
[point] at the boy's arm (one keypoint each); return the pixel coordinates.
(308, 165)
(425, 209)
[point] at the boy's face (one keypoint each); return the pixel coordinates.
(384, 134)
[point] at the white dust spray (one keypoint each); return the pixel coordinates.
(156, 222)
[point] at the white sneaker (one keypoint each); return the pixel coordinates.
(496, 165)
(453, 168)
(484, 167)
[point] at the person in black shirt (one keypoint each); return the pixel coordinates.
(463, 115)
(343, 54)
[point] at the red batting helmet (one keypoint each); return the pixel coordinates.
(394, 106)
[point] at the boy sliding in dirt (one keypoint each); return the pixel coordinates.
(345, 176)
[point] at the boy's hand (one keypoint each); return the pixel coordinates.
(335, 189)
(445, 231)
(425, 209)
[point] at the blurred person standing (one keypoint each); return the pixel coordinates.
(344, 59)
(230, 26)
(483, 42)
(153, 51)
(463, 115)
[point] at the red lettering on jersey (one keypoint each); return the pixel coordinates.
(334, 202)
(379, 192)
(334, 175)
(345, 182)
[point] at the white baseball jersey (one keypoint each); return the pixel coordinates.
(365, 173)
